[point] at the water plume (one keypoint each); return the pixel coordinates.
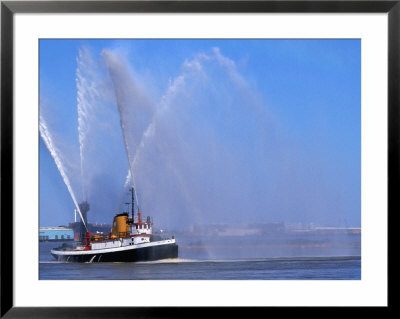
(87, 97)
(98, 134)
(46, 136)
(207, 92)
(133, 105)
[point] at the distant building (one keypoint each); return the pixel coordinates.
(269, 228)
(55, 233)
(337, 230)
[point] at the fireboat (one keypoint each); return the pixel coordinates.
(130, 240)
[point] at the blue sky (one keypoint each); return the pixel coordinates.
(232, 131)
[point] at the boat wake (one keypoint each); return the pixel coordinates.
(168, 261)
(241, 260)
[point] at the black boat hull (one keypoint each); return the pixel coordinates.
(140, 254)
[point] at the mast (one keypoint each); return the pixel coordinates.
(133, 204)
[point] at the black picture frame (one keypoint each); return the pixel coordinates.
(9, 8)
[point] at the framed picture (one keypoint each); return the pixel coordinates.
(163, 155)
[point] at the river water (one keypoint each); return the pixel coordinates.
(316, 258)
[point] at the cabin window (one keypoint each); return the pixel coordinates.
(62, 236)
(56, 237)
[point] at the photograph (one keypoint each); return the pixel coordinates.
(199, 159)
